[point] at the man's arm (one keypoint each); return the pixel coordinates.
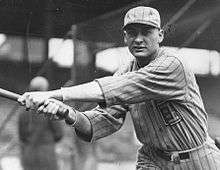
(160, 80)
(85, 92)
(89, 125)
(88, 92)
(164, 79)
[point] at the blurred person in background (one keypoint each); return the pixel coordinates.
(156, 87)
(38, 135)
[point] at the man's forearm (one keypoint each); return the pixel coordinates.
(83, 127)
(81, 123)
(88, 92)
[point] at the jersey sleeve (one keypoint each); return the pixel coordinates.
(106, 121)
(164, 78)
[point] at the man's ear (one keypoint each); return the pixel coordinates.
(125, 38)
(161, 35)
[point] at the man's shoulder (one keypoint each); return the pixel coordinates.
(129, 65)
(169, 56)
(171, 59)
(165, 58)
(168, 52)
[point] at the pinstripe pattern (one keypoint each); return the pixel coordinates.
(205, 158)
(166, 107)
(144, 15)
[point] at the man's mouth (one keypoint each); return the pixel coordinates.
(138, 48)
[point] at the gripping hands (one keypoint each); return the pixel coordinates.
(51, 108)
(31, 100)
(55, 109)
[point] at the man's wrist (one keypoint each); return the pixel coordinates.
(57, 94)
(71, 118)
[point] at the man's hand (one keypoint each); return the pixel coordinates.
(55, 109)
(31, 100)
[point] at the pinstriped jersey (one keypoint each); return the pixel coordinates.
(163, 99)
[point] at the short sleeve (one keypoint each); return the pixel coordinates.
(164, 78)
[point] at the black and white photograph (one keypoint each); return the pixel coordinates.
(110, 85)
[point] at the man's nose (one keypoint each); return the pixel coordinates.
(139, 37)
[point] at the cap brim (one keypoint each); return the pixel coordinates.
(143, 23)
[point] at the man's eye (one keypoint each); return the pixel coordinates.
(131, 33)
(145, 32)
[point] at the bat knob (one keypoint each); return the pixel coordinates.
(64, 114)
(69, 121)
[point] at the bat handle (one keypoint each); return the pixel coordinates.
(8, 94)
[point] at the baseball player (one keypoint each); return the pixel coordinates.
(156, 88)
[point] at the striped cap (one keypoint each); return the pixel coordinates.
(142, 15)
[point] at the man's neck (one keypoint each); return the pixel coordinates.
(144, 61)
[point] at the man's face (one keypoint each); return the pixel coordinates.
(142, 40)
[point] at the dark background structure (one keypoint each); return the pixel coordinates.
(54, 18)
(95, 25)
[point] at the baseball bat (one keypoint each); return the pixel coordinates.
(9, 95)
(14, 96)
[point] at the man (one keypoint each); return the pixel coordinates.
(38, 135)
(159, 91)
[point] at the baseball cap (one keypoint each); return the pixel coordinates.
(142, 15)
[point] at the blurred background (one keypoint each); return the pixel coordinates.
(69, 42)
